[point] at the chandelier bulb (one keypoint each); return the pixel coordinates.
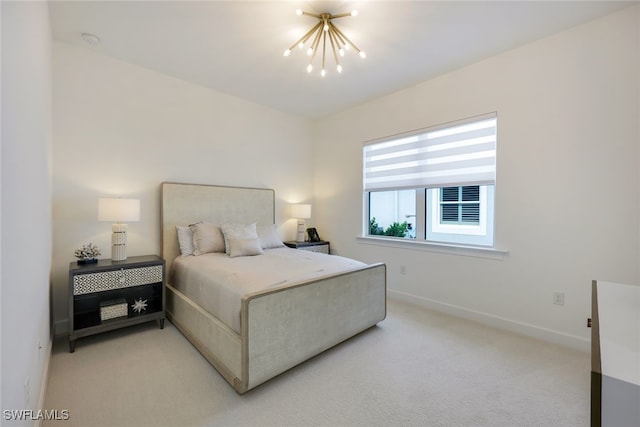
(309, 68)
(323, 72)
(299, 12)
(310, 51)
(300, 45)
(325, 28)
(341, 51)
(287, 52)
(363, 55)
(339, 67)
(354, 13)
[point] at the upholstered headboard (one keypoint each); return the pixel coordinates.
(184, 204)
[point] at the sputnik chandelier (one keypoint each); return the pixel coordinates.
(325, 29)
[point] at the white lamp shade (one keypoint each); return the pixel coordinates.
(300, 211)
(118, 210)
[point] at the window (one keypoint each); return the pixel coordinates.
(436, 184)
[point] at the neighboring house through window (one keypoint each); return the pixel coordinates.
(433, 185)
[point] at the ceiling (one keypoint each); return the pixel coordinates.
(236, 47)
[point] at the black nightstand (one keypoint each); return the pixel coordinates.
(113, 294)
(321, 246)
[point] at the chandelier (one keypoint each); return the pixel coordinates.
(322, 31)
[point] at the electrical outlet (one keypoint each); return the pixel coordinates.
(558, 298)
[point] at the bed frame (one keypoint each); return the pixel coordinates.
(280, 327)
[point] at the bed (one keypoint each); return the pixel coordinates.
(280, 326)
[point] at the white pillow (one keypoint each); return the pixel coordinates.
(185, 240)
(244, 247)
(238, 231)
(207, 238)
(269, 237)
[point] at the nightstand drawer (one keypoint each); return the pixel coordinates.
(116, 279)
(323, 249)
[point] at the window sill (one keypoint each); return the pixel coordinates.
(447, 248)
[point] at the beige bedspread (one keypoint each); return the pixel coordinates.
(217, 282)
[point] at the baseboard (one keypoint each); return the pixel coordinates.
(548, 335)
(45, 379)
(61, 328)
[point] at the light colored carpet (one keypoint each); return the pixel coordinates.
(417, 368)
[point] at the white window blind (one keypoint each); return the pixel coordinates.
(456, 154)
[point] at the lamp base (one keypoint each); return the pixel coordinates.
(119, 242)
(300, 233)
(118, 252)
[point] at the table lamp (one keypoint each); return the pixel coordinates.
(301, 212)
(118, 211)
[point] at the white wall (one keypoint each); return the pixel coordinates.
(26, 203)
(567, 193)
(121, 130)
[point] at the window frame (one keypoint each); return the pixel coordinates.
(436, 233)
(429, 227)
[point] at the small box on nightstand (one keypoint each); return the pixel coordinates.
(113, 309)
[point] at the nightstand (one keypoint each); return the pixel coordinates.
(321, 246)
(109, 295)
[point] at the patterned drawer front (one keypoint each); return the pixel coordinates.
(117, 279)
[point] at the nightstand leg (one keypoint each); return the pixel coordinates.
(72, 346)
(161, 323)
